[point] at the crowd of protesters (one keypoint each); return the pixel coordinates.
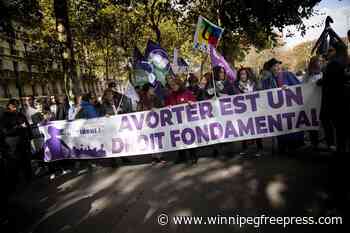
(21, 141)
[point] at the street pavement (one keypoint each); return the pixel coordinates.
(129, 198)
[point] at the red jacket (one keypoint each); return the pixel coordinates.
(181, 97)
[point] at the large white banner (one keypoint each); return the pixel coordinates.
(231, 118)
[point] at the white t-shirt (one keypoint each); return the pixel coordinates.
(312, 78)
(29, 112)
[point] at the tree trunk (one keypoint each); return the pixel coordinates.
(61, 13)
(107, 60)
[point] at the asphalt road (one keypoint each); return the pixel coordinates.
(129, 198)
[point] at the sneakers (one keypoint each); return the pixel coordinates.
(242, 153)
(332, 148)
(155, 161)
(158, 160)
(37, 171)
(64, 172)
(52, 176)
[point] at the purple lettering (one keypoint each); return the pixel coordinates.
(289, 116)
(138, 123)
(280, 99)
(202, 133)
(296, 97)
(216, 131)
(165, 117)
(117, 145)
(174, 137)
(246, 128)
(178, 111)
(302, 120)
(275, 123)
(188, 132)
(205, 110)
(152, 119)
(230, 130)
(238, 101)
(192, 114)
(225, 106)
(260, 123)
(125, 124)
(158, 139)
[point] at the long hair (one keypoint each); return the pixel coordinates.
(209, 77)
(314, 66)
(216, 72)
(250, 76)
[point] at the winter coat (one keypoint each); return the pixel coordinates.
(149, 102)
(333, 91)
(87, 111)
(179, 97)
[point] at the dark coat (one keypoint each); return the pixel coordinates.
(333, 91)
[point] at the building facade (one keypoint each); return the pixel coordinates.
(23, 72)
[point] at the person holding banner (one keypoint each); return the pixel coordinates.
(109, 108)
(245, 83)
(148, 101)
(275, 78)
(205, 91)
(180, 95)
(205, 87)
(333, 91)
(87, 109)
(193, 84)
(223, 86)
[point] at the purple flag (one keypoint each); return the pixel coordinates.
(218, 60)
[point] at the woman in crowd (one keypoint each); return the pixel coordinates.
(180, 95)
(193, 84)
(223, 86)
(59, 108)
(109, 107)
(205, 91)
(246, 83)
(148, 101)
(333, 91)
(205, 88)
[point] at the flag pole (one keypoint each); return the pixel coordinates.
(212, 72)
(121, 99)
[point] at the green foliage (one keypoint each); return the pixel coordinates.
(106, 31)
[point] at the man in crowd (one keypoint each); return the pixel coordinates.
(16, 134)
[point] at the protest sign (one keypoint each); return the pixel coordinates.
(260, 114)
